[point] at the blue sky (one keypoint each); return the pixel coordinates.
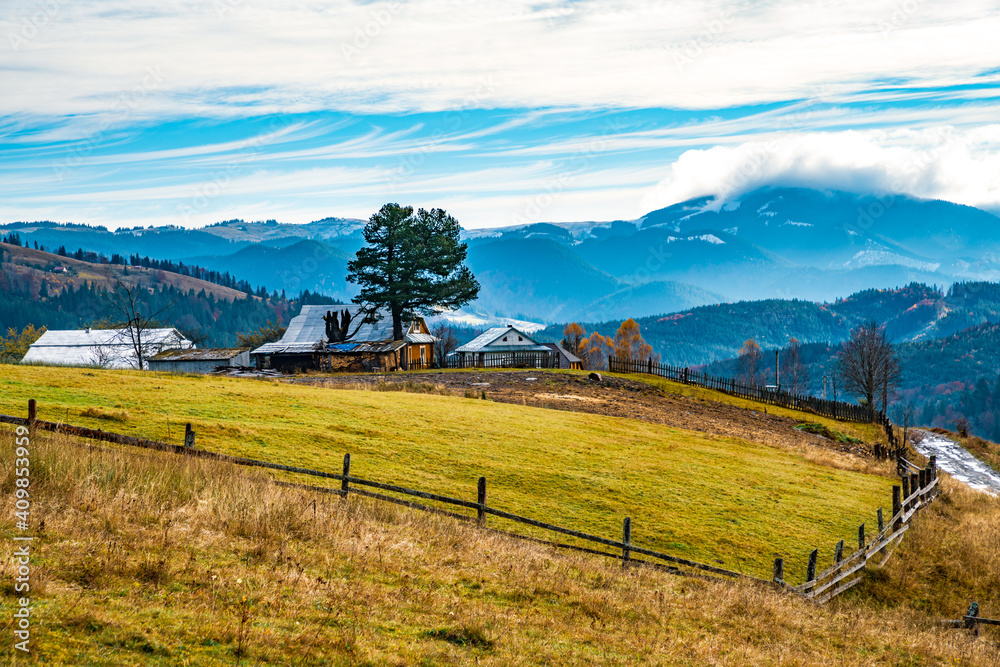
(188, 112)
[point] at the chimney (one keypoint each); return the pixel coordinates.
(88, 330)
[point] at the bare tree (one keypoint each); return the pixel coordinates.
(794, 374)
(903, 414)
(749, 370)
(447, 341)
(868, 365)
(134, 323)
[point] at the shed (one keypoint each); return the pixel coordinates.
(505, 347)
(107, 348)
(199, 361)
(566, 359)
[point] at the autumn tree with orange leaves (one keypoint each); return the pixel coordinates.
(629, 344)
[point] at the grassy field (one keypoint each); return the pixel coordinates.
(721, 501)
(145, 558)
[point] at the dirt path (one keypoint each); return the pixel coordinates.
(613, 396)
(958, 462)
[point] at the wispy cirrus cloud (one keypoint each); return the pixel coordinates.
(600, 110)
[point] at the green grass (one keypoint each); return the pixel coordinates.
(714, 500)
(865, 432)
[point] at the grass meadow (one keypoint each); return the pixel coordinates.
(725, 502)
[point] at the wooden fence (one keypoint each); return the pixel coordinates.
(917, 490)
(833, 409)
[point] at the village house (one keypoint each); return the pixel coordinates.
(339, 338)
(506, 347)
(106, 348)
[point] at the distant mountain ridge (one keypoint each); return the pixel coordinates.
(773, 243)
(714, 333)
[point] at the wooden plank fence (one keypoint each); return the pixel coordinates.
(918, 489)
(833, 409)
(916, 492)
(623, 549)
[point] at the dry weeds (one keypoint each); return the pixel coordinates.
(147, 558)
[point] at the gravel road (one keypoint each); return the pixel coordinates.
(959, 463)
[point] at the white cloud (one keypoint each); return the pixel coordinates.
(959, 165)
(238, 57)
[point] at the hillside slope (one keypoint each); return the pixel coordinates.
(28, 267)
(587, 471)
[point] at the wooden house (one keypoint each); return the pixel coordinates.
(339, 338)
(507, 347)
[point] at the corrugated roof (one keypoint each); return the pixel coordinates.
(419, 338)
(111, 348)
(208, 354)
(91, 337)
(485, 339)
(288, 348)
(309, 329)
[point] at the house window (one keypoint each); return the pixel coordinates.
(505, 339)
(422, 352)
(519, 338)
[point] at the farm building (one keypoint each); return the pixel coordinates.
(338, 338)
(567, 360)
(505, 347)
(106, 348)
(199, 361)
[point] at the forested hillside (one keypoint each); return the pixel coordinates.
(210, 314)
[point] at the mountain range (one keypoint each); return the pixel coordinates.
(773, 243)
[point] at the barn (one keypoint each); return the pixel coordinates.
(106, 348)
(340, 339)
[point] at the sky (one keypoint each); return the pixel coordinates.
(189, 112)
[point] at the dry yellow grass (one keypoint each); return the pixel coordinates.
(148, 558)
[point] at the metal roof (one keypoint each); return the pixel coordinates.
(111, 348)
(307, 331)
(289, 348)
(564, 353)
(208, 354)
(483, 341)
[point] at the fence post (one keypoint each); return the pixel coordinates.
(970, 616)
(838, 551)
(811, 569)
(627, 540)
(861, 537)
(881, 521)
(188, 436)
(779, 571)
(481, 499)
(32, 416)
(906, 491)
(347, 473)
(932, 464)
(897, 507)
(685, 375)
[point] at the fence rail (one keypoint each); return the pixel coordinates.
(349, 484)
(916, 491)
